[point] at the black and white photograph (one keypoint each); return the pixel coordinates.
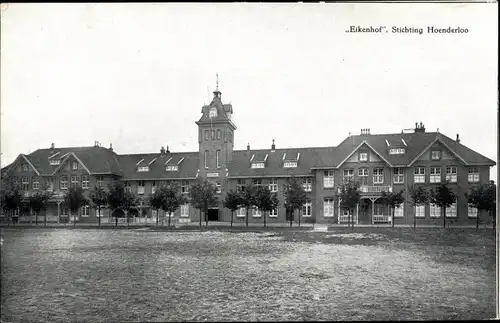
(167, 162)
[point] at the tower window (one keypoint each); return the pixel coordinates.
(212, 113)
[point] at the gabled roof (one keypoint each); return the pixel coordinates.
(66, 158)
(187, 163)
(98, 160)
(240, 166)
(363, 143)
(24, 158)
(416, 144)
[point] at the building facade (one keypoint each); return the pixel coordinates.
(381, 162)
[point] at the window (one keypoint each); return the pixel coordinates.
(363, 172)
(75, 181)
(206, 158)
(306, 209)
(258, 165)
(172, 168)
(25, 168)
(55, 161)
(399, 211)
(240, 185)
(185, 210)
(153, 187)
(241, 212)
(85, 182)
(50, 184)
(100, 181)
(307, 184)
(363, 157)
(256, 212)
(419, 176)
(398, 176)
(328, 179)
(291, 164)
(396, 151)
(128, 187)
(434, 210)
(85, 211)
(217, 159)
(472, 212)
(219, 134)
(328, 207)
(154, 213)
(273, 213)
(143, 169)
(213, 112)
(25, 183)
(348, 174)
(257, 182)
(140, 187)
(473, 175)
(218, 188)
(36, 182)
(451, 212)
(435, 175)
(273, 185)
(207, 134)
(420, 211)
(63, 182)
(378, 176)
(435, 155)
(185, 187)
(74, 165)
(451, 174)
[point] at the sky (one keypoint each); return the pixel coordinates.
(137, 75)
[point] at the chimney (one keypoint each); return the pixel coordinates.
(419, 128)
(111, 146)
(458, 139)
(95, 143)
(248, 147)
(273, 146)
(52, 146)
(168, 151)
(162, 150)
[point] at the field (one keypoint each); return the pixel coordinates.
(66, 275)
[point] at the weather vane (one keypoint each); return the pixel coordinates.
(217, 82)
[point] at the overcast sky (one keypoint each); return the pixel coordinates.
(137, 75)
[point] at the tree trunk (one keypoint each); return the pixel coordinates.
(415, 220)
(116, 220)
(157, 216)
(74, 221)
(264, 219)
(477, 220)
(45, 218)
(393, 212)
(99, 215)
(36, 220)
(232, 213)
(126, 216)
(246, 217)
(443, 211)
(206, 215)
(200, 219)
(290, 217)
(169, 216)
(299, 219)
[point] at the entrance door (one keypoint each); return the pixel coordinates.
(213, 214)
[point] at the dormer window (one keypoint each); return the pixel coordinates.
(172, 168)
(212, 113)
(435, 155)
(290, 164)
(396, 151)
(143, 169)
(258, 165)
(55, 161)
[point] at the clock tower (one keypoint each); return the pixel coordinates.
(215, 138)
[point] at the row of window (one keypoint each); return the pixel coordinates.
(64, 211)
(435, 211)
(273, 184)
(217, 159)
(63, 182)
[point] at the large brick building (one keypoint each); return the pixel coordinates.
(382, 162)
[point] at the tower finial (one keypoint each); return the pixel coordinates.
(217, 82)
